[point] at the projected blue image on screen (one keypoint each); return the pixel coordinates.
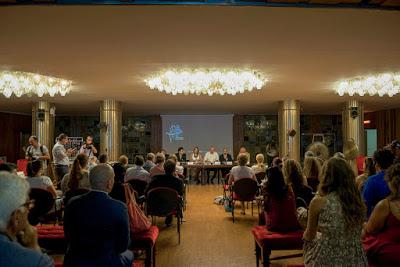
(175, 133)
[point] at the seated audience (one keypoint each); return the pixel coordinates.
(211, 157)
(164, 152)
(375, 188)
(37, 180)
(137, 172)
(339, 155)
(279, 203)
(78, 176)
(8, 167)
(240, 172)
(308, 154)
(181, 156)
(96, 226)
(395, 148)
(159, 167)
(260, 166)
(369, 170)
(294, 177)
(124, 160)
(311, 171)
(167, 180)
(118, 190)
(18, 239)
(320, 150)
(197, 159)
(337, 214)
(382, 241)
(103, 158)
(150, 157)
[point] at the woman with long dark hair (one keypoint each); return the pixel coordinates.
(279, 203)
(337, 213)
(37, 180)
(78, 177)
(294, 177)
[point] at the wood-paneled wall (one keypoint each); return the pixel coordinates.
(238, 133)
(14, 130)
(387, 126)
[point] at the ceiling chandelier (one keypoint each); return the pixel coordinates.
(381, 84)
(206, 81)
(25, 83)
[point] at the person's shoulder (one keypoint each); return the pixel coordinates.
(318, 201)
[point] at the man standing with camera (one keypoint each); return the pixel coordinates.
(88, 147)
(37, 151)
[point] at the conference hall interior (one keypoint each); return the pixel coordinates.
(199, 133)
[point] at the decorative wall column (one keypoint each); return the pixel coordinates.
(111, 128)
(353, 123)
(43, 123)
(289, 129)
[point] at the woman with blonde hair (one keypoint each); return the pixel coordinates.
(350, 152)
(337, 213)
(320, 150)
(260, 166)
(294, 178)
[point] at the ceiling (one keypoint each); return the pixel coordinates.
(107, 51)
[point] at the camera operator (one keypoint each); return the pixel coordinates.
(88, 147)
(37, 151)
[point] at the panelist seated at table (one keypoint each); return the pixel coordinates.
(225, 158)
(181, 155)
(211, 157)
(197, 159)
(243, 150)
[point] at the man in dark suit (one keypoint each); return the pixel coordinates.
(181, 155)
(167, 180)
(97, 226)
(224, 158)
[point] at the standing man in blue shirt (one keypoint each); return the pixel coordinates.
(376, 188)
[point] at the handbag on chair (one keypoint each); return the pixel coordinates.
(138, 222)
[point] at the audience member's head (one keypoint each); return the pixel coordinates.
(260, 158)
(393, 179)
(75, 175)
(34, 168)
(312, 167)
(14, 203)
(8, 167)
(350, 149)
(308, 154)
(242, 150)
(293, 173)
(338, 177)
(102, 177)
(339, 155)
(119, 172)
(276, 185)
(395, 147)
(63, 139)
(173, 157)
(103, 158)
(383, 159)
(242, 159)
(319, 150)
(33, 141)
(277, 162)
(160, 158)
(163, 151)
(169, 167)
(150, 157)
(124, 160)
(139, 160)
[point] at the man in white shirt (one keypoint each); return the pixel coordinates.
(210, 158)
(137, 172)
(37, 151)
(61, 157)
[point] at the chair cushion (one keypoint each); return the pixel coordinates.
(147, 237)
(50, 232)
(276, 241)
